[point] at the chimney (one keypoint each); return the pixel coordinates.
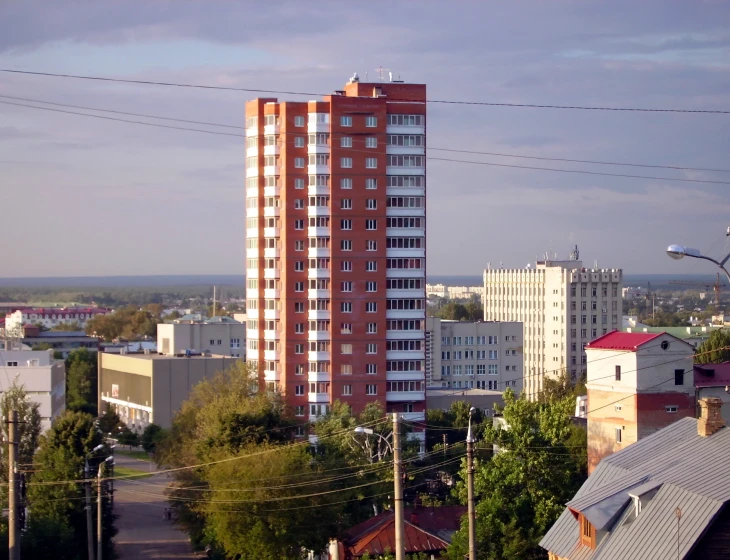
(414, 518)
(710, 416)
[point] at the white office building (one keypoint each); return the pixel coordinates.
(42, 377)
(474, 355)
(562, 306)
(217, 335)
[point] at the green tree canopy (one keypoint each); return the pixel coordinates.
(82, 381)
(68, 327)
(716, 349)
(523, 489)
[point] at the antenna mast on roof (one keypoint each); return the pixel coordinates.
(213, 301)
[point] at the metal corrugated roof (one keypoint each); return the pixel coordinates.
(677, 458)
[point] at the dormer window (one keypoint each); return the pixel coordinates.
(587, 532)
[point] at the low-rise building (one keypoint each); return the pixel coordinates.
(454, 292)
(713, 380)
(42, 377)
(665, 496)
(474, 355)
(484, 400)
(149, 388)
(218, 335)
(62, 342)
(636, 384)
(50, 317)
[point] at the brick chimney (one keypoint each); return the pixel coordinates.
(710, 416)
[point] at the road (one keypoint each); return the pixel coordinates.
(143, 531)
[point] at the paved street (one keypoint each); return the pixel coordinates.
(143, 532)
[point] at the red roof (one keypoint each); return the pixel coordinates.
(712, 375)
(426, 530)
(617, 340)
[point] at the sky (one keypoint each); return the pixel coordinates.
(84, 196)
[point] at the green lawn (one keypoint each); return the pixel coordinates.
(127, 471)
(134, 454)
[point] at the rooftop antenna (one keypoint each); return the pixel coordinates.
(381, 72)
(390, 76)
(575, 254)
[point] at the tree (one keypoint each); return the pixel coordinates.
(714, 350)
(82, 381)
(560, 387)
(68, 327)
(29, 429)
(60, 457)
(151, 435)
(453, 311)
(523, 489)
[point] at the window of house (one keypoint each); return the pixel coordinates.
(299, 162)
(298, 286)
(371, 225)
(679, 377)
(346, 307)
(371, 142)
(346, 348)
(299, 142)
(346, 245)
(346, 183)
(347, 390)
(299, 328)
(371, 348)
(345, 328)
(299, 307)
(346, 266)
(371, 204)
(298, 121)
(371, 122)
(298, 266)
(618, 435)
(299, 348)
(299, 410)
(299, 183)
(346, 204)
(346, 162)
(371, 163)
(299, 390)
(371, 286)
(671, 408)
(371, 369)
(372, 328)
(345, 121)
(618, 373)
(371, 184)
(299, 224)
(586, 532)
(346, 287)
(346, 142)
(346, 224)
(371, 389)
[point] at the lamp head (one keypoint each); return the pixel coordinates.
(98, 448)
(676, 251)
(472, 410)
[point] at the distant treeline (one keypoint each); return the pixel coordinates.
(115, 297)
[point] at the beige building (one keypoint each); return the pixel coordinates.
(562, 305)
(148, 388)
(486, 401)
(474, 355)
(217, 335)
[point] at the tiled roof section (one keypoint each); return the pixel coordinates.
(616, 340)
(712, 375)
(685, 467)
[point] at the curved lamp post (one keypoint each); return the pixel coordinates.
(680, 251)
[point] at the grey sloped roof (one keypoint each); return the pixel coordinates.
(691, 472)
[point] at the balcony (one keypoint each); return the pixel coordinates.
(408, 253)
(413, 416)
(271, 355)
(271, 150)
(271, 335)
(252, 152)
(390, 170)
(252, 192)
(317, 169)
(252, 334)
(318, 231)
(318, 294)
(271, 232)
(405, 150)
(318, 398)
(252, 233)
(405, 273)
(314, 273)
(252, 172)
(405, 396)
(317, 252)
(271, 273)
(401, 129)
(315, 211)
(269, 253)
(318, 356)
(271, 376)
(252, 314)
(315, 336)
(420, 212)
(405, 355)
(405, 232)
(271, 212)
(252, 131)
(272, 314)
(252, 253)
(317, 376)
(318, 189)
(273, 129)
(252, 212)
(313, 126)
(405, 191)
(272, 191)
(271, 170)
(270, 293)
(410, 294)
(252, 273)
(252, 293)
(404, 335)
(315, 314)
(317, 149)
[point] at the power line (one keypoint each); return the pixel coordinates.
(431, 158)
(442, 101)
(296, 133)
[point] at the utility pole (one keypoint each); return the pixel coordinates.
(470, 489)
(98, 512)
(13, 533)
(443, 438)
(400, 549)
(89, 523)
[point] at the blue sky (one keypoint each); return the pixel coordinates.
(83, 196)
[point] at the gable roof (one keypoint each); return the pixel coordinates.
(617, 340)
(430, 532)
(686, 470)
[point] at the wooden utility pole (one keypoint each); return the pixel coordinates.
(89, 522)
(13, 533)
(98, 512)
(400, 550)
(470, 491)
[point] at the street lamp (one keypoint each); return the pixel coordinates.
(108, 461)
(89, 524)
(680, 251)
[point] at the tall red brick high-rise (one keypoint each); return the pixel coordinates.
(336, 247)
